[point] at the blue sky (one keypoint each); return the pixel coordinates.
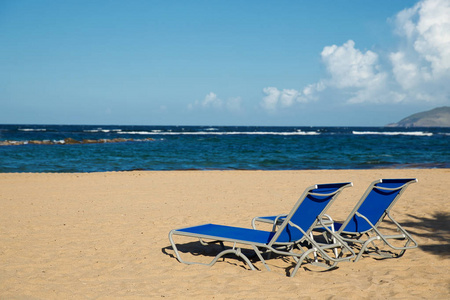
(297, 63)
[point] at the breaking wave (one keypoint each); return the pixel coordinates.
(212, 132)
(32, 129)
(413, 133)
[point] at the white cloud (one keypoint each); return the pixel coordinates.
(419, 69)
(433, 39)
(349, 67)
(352, 72)
(404, 23)
(276, 99)
(426, 28)
(422, 67)
(234, 105)
(406, 73)
(312, 88)
(270, 101)
(311, 91)
(355, 72)
(212, 101)
(288, 97)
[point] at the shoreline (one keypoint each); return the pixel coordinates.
(414, 167)
(105, 235)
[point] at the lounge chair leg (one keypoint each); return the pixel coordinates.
(315, 251)
(300, 261)
(260, 257)
(364, 246)
(235, 251)
(238, 253)
(213, 242)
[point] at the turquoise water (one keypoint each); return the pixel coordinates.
(219, 148)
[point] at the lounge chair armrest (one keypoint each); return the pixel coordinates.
(279, 217)
(275, 222)
(327, 220)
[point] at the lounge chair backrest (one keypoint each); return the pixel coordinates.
(308, 211)
(376, 202)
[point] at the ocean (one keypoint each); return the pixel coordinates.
(76, 148)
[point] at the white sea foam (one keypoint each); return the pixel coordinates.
(32, 129)
(139, 132)
(102, 130)
(413, 133)
(156, 132)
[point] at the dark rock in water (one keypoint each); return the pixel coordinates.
(438, 117)
(45, 142)
(119, 140)
(71, 141)
(11, 143)
(89, 141)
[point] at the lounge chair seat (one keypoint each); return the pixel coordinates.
(239, 234)
(307, 213)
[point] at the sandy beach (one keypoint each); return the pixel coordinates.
(105, 235)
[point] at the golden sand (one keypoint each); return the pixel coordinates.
(105, 236)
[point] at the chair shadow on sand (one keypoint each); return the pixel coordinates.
(195, 248)
(436, 228)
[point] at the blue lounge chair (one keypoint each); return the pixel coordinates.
(294, 230)
(362, 224)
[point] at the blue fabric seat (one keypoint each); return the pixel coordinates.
(361, 225)
(214, 231)
(295, 229)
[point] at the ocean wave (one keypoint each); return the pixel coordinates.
(159, 132)
(102, 130)
(413, 133)
(32, 129)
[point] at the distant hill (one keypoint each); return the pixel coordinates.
(438, 117)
